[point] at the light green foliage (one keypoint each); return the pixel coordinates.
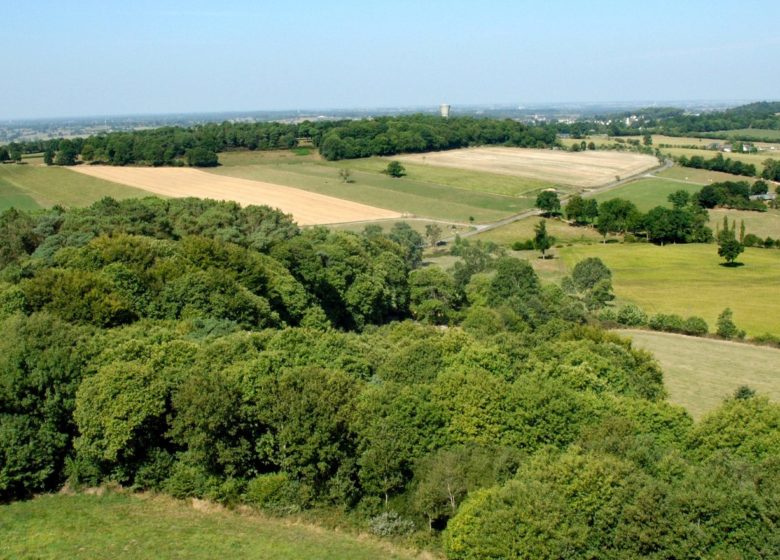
(726, 326)
(748, 428)
(513, 278)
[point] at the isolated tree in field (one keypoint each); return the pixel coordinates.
(647, 140)
(433, 233)
(542, 240)
(729, 246)
(395, 169)
(549, 203)
(346, 175)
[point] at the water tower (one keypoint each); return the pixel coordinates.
(444, 109)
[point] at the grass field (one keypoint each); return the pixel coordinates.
(417, 225)
(648, 193)
(430, 199)
(118, 526)
(700, 372)
(701, 176)
(306, 207)
(581, 169)
(689, 280)
(29, 186)
(524, 229)
(763, 224)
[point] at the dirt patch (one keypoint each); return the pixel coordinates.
(581, 169)
(307, 208)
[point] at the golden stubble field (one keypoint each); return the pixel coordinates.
(307, 208)
(580, 169)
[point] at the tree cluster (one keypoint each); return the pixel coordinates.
(719, 163)
(731, 194)
(205, 350)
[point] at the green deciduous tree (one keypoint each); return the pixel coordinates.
(549, 203)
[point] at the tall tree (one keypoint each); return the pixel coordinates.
(549, 203)
(542, 240)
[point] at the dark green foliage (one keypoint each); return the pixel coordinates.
(726, 326)
(581, 210)
(542, 240)
(513, 278)
(617, 216)
(549, 203)
(729, 247)
(395, 169)
(719, 163)
(728, 194)
(201, 157)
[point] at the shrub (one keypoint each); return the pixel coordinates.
(695, 326)
(527, 245)
(608, 315)
(751, 240)
(666, 323)
(726, 326)
(390, 523)
(631, 316)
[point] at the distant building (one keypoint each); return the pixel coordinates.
(444, 109)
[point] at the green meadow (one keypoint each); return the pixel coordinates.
(690, 280)
(120, 526)
(28, 187)
(648, 193)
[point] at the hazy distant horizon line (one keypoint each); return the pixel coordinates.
(311, 111)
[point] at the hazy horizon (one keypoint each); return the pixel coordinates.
(146, 59)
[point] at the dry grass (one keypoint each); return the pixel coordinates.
(699, 372)
(306, 207)
(581, 169)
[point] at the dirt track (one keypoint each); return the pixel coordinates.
(306, 207)
(582, 169)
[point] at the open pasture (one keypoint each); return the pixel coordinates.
(438, 196)
(699, 372)
(700, 176)
(648, 193)
(580, 169)
(522, 230)
(28, 187)
(306, 207)
(129, 527)
(690, 280)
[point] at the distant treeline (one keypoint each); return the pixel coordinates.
(198, 145)
(719, 163)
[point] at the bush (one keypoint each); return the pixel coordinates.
(608, 315)
(631, 316)
(695, 326)
(666, 323)
(527, 245)
(726, 327)
(202, 157)
(751, 240)
(390, 523)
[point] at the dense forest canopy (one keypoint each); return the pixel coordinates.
(335, 140)
(207, 350)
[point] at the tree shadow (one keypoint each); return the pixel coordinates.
(732, 264)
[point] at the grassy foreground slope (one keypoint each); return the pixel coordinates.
(689, 280)
(29, 187)
(699, 373)
(132, 527)
(648, 193)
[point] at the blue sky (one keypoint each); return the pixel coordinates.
(105, 57)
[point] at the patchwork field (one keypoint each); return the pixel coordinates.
(441, 194)
(581, 169)
(700, 372)
(306, 207)
(28, 187)
(689, 280)
(118, 526)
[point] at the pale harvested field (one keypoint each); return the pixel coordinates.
(581, 169)
(307, 208)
